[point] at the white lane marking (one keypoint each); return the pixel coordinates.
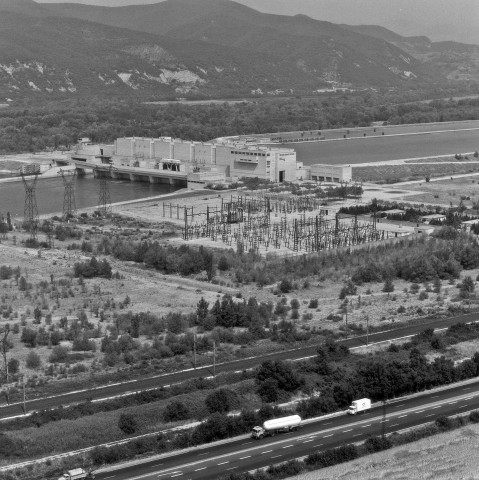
(168, 473)
(382, 421)
(198, 469)
(427, 416)
(287, 446)
(231, 468)
(395, 425)
(419, 411)
(330, 435)
(276, 456)
(402, 416)
(242, 458)
(434, 408)
(435, 396)
(267, 451)
(177, 475)
(199, 454)
(467, 388)
(357, 435)
(345, 431)
(468, 398)
(307, 441)
(400, 405)
(329, 423)
(365, 426)
(223, 463)
(452, 403)
(246, 443)
(111, 476)
(318, 445)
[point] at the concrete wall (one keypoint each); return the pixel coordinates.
(182, 151)
(331, 173)
(162, 148)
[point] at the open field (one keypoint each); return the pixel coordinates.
(446, 456)
(445, 192)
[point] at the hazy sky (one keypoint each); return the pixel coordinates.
(439, 19)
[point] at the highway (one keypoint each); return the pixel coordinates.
(245, 454)
(132, 386)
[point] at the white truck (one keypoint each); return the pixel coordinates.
(276, 425)
(77, 474)
(358, 406)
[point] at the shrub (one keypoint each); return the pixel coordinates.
(59, 354)
(444, 423)
(221, 400)
(285, 286)
(313, 303)
(127, 423)
(175, 411)
(474, 416)
(376, 444)
(333, 456)
(33, 360)
(423, 295)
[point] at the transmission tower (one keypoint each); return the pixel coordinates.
(30, 212)
(104, 202)
(69, 204)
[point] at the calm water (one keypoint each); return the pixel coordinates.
(49, 194)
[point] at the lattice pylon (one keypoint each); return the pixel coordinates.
(30, 211)
(69, 204)
(104, 202)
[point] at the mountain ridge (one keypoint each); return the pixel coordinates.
(216, 48)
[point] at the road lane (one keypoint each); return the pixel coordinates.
(311, 437)
(133, 386)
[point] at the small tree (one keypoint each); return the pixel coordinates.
(127, 423)
(388, 286)
(33, 360)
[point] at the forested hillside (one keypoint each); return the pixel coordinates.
(34, 129)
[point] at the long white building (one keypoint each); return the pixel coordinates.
(235, 160)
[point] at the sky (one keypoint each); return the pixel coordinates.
(438, 19)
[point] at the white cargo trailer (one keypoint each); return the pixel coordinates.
(277, 425)
(358, 406)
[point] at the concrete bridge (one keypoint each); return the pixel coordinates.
(134, 174)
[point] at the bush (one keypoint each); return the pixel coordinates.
(444, 423)
(33, 360)
(221, 400)
(127, 423)
(474, 416)
(59, 354)
(285, 286)
(175, 411)
(376, 444)
(313, 303)
(332, 456)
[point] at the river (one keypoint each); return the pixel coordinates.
(50, 191)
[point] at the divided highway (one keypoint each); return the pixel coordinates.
(245, 454)
(109, 391)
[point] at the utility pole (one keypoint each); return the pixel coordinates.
(214, 358)
(24, 403)
(194, 351)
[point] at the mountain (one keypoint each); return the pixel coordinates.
(455, 61)
(201, 48)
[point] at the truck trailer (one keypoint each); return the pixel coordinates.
(358, 406)
(77, 474)
(276, 425)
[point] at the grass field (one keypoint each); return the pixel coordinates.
(448, 456)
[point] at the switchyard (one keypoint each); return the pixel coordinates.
(271, 223)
